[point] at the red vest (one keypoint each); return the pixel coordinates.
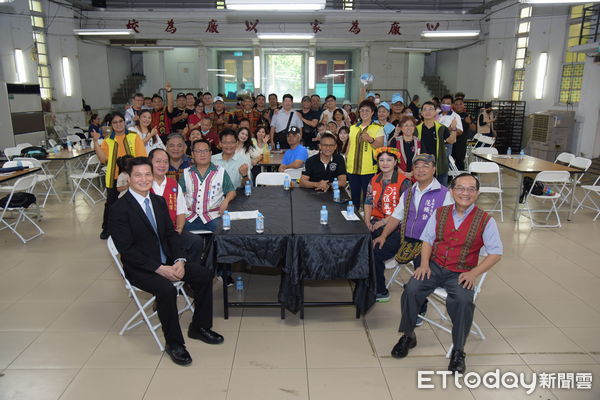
(170, 195)
(385, 203)
(458, 249)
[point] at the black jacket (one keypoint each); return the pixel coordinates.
(135, 239)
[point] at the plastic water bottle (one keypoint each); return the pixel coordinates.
(19, 164)
(522, 153)
(350, 209)
(260, 223)
(248, 189)
(509, 152)
(226, 221)
(239, 283)
(324, 215)
(278, 146)
(92, 145)
(336, 195)
(69, 145)
(286, 182)
(335, 185)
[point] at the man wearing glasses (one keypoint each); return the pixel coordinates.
(452, 240)
(321, 169)
(207, 189)
(237, 164)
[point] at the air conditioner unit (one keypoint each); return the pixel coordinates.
(549, 133)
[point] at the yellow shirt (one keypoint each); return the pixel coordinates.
(362, 162)
(140, 149)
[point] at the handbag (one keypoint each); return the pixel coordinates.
(281, 136)
(409, 249)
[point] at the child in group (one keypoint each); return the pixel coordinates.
(123, 178)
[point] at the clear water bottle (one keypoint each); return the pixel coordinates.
(260, 223)
(286, 182)
(69, 145)
(19, 164)
(226, 221)
(278, 146)
(92, 145)
(335, 185)
(248, 189)
(522, 153)
(239, 283)
(350, 209)
(324, 215)
(509, 152)
(336, 195)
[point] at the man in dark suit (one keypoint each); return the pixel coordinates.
(153, 258)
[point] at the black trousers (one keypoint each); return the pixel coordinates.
(200, 279)
(382, 254)
(459, 302)
(459, 151)
(112, 195)
(194, 246)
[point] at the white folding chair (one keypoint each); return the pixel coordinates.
(485, 141)
(564, 158)
(557, 179)
(453, 170)
(87, 177)
(478, 167)
(438, 299)
(271, 178)
(12, 152)
(397, 267)
(74, 138)
(24, 184)
(44, 177)
(22, 146)
(589, 191)
(294, 173)
(485, 150)
(577, 162)
(142, 316)
(52, 142)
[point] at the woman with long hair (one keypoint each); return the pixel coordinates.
(343, 135)
(149, 134)
(407, 144)
(338, 118)
(245, 146)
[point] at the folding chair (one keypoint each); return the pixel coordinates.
(438, 298)
(87, 177)
(44, 177)
(577, 162)
(557, 179)
(22, 146)
(294, 173)
(24, 184)
(74, 138)
(393, 264)
(564, 158)
(589, 190)
(141, 316)
(485, 141)
(490, 168)
(52, 142)
(271, 178)
(12, 152)
(485, 150)
(453, 170)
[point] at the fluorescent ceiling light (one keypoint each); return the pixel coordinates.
(286, 36)
(257, 72)
(541, 76)
(411, 50)
(149, 48)
(274, 5)
(450, 34)
(67, 76)
(311, 72)
(103, 32)
(343, 70)
(557, 1)
(20, 63)
(497, 79)
(225, 75)
(216, 69)
(330, 76)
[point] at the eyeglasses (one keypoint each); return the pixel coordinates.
(328, 145)
(428, 109)
(228, 143)
(462, 189)
(204, 151)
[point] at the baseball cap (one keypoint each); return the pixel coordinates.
(397, 98)
(370, 94)
(294, 130)
(180, 94)
(428, 158)
(385, 105)
(346, 102)
(217, 98)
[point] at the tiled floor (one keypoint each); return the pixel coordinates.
(62, 304)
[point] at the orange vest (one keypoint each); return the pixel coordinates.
(170, 196)
(388, 199)
(458, 249)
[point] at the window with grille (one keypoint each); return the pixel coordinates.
(521, 53)
(41, 48)
(572, 70)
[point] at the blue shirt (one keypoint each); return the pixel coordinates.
(388, 130)
(491, 236)
(291, 155)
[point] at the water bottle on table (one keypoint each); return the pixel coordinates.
(522, 153)
(69, 145)
(324, 215)
(278, 146)
(336, 195)
(248, 189)
(19, 164)
(239, 284)
(226, 221)
(260, 223)
(350, 209)
(335, 185)
(509, 152)
(286, 182)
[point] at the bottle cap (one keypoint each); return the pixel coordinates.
(323, 207)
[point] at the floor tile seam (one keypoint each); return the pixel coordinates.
(237, 340)
(21, 352)
(374, 350)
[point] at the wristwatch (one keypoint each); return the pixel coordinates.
(180, 259)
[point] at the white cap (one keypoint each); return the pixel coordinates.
(217, 98)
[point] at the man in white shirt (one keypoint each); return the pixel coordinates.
(331, 105)
(282, 121)
(238, 164)
(132, 113)
(450, 119)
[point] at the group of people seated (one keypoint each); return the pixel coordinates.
(184, 185)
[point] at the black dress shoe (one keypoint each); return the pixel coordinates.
(401, 348)
(104, 235)
(178, 354)
(206, 335)
(457, 361)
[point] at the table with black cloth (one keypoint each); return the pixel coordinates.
(295, 240)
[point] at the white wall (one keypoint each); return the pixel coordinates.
(181, 67)
(388, 68)
(414, 84)
(119, 67)
(93, 68)
(470, 73)
(588, 112)
(447, 68)
(154, 72)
